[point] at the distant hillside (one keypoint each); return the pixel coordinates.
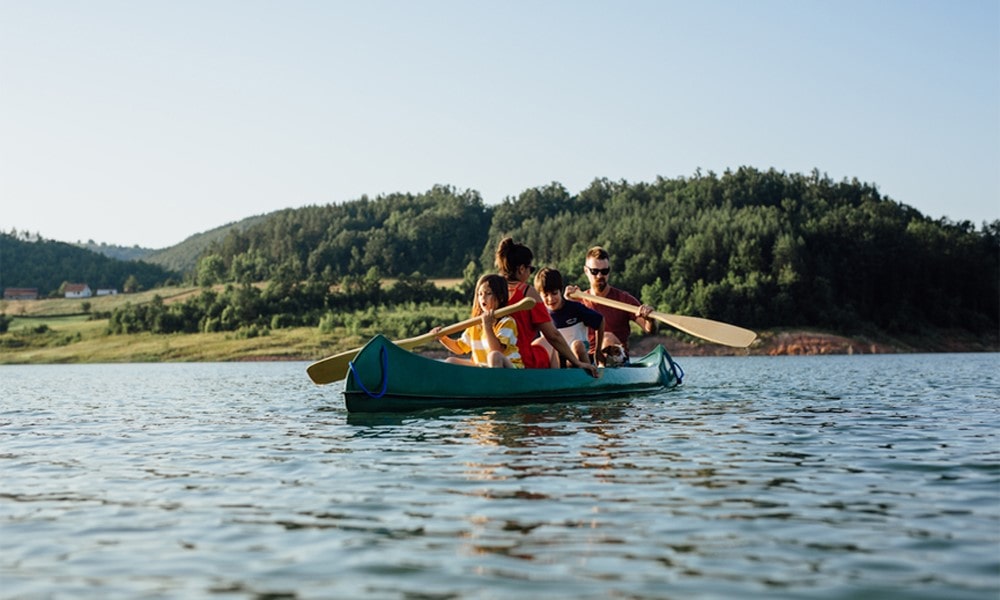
(180, 258)
(117, 252)
(46, 265)
(183, 257)
(436, 233)
(761, 249)
(758, 248)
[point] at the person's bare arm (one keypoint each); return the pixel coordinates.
(448, 342)
(552, 335)
(492, 341)
(599, 339)
(643, 319)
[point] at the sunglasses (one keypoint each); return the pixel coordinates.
(603, 271)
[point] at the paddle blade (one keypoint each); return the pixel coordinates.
(706, 329)
(332, 368)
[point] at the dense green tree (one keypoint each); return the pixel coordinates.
(211, 270)
(131, 285)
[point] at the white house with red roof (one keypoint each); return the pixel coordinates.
(77, 290)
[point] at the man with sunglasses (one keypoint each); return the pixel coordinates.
(616, 322)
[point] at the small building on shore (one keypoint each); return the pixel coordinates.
(77, 290)
(13, 293)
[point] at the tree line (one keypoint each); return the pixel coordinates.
(255, 310)
(767, 249)
(436, 234)
(757, 248)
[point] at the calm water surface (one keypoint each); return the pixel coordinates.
(811, 477)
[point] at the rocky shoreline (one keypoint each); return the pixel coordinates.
(801, 343)
(809, 343)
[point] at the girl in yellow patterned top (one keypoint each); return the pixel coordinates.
(493, 342)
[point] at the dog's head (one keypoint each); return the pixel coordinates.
(614, 356)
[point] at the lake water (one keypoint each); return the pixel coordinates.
(760, 477)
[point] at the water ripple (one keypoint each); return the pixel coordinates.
(819, 477)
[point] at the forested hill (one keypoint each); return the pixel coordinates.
(757, 248)
(183, 257)
(116, 252)
(180, 258)
(436, 233)
(46, 265)
(770, 249)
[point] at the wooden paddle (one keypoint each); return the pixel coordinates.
(706, 329)
(334, 368)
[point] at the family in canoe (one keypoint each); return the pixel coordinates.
(552, 333)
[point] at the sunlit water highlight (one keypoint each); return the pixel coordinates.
(811, 477)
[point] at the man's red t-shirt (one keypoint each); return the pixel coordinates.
(615, 320)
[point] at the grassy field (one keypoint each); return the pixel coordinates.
(75, 339)
(55, 307)
(26, 324)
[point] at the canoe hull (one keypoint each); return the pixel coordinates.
(386, 378)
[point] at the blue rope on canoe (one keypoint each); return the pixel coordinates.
(678, 371)
(385, 375)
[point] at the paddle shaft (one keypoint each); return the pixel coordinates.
(706, 329)
(413, 342)
(334, 368)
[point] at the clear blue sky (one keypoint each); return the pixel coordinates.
(145, 122)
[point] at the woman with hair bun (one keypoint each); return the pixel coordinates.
(513, 261)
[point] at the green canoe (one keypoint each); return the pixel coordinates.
(386, 378)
